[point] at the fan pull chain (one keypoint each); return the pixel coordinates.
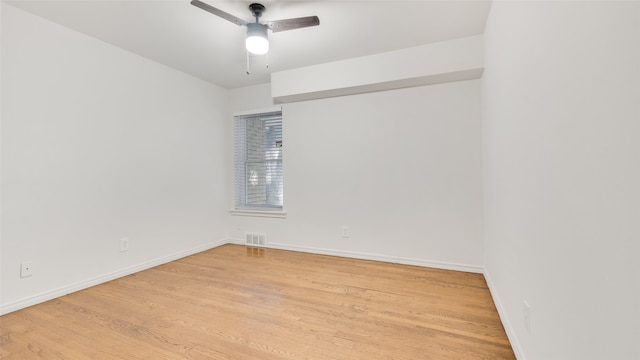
(248, 66)
(267, 55)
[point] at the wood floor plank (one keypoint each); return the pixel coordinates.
(234, 302)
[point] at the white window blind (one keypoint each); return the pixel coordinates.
(258, 161)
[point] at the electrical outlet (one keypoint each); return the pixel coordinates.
(345, 231)
(526, 312)
(124, 244)
(26, 269)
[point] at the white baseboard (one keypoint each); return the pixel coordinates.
(55, 293)
(370, 256)
(235, 241)
(508, 326)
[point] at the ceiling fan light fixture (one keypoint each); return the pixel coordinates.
(257, 41)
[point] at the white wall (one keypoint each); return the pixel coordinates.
(561, 146)
(100, 144)
(401, 168)
(251, 98)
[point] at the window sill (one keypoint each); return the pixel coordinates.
(280, 214)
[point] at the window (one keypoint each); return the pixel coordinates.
(258, 162)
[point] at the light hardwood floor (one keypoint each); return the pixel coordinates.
(234, 302)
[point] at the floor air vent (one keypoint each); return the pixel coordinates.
(255, 239)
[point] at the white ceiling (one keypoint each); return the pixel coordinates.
(184, 37)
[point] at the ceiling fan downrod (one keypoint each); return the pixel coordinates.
(257, 10)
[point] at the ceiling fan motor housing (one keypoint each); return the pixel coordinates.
(257, 29)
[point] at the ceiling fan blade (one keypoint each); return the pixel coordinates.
(218, 12)
(290, 24)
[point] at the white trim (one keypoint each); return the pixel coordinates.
(508, 327)
(376, 257)
(258, 111)
(235, 241)
(281, 214)
(55, 293)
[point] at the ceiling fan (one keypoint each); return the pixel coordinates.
(257, 41)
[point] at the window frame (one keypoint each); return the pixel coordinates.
(257, 211)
